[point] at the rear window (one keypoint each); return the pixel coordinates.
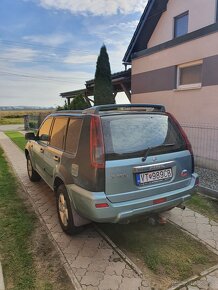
(130, 135)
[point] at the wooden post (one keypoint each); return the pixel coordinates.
(26, 122)
(126, 91)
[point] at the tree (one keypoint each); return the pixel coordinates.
(78, 103)
(103, 90)
(64, 107)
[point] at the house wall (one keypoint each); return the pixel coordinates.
(154, 81)
(199, 106)
(190, 51)
(201, 13)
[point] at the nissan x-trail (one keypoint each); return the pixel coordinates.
(112, 163)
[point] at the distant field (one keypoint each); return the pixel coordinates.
(16, 117)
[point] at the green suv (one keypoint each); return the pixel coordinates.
(112, 163)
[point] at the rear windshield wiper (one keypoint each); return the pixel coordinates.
(149, 149)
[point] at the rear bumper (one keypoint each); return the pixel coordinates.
(84, 202)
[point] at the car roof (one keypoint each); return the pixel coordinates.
(114, 109)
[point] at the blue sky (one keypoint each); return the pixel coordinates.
(51, 46)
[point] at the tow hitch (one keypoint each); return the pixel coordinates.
(182, 206)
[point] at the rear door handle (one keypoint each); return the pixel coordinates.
(41, 150)
(56, 158)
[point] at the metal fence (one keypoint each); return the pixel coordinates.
(33, 122)
(204, 140)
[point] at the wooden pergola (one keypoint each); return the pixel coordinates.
(121, 82)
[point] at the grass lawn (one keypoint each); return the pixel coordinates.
(28, 257)
(16, 226)
(205, 206)
(17, 138)
(170, 254)
(16, 117)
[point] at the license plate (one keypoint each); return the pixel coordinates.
(153, 176)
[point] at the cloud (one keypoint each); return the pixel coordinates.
(116, 37)
(96, 7)
(49, 40)
(19, 90)
(19, 53)
(81, 58)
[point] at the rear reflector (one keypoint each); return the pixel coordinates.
(101, 205)
(197, 181)
(160, 200)
(184, 173)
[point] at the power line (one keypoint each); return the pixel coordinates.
(45, 78)
(12, 43)
(41, 61)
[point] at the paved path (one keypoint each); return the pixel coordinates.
(209, 282)
(90, 262)
(11, 127)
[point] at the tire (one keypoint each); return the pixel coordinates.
(64, 210)
(33, 175)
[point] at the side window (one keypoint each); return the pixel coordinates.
(73, 135)
(58, 132)
(44, 130)
(181, 24)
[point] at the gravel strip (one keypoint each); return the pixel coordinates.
(208, 177)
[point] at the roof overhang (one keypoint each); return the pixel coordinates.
(145, 28)
(118, 80)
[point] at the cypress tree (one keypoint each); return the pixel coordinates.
(103, 90)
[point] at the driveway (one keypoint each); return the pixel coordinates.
(91, 263)
(11, 127)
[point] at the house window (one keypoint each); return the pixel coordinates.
(189, 75)
(181, 24)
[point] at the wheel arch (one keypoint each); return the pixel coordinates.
(57, 182)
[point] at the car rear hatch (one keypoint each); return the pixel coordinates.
(146, 154)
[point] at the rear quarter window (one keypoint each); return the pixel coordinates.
(73, 135)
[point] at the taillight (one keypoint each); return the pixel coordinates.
(185, 137)
(96, 143)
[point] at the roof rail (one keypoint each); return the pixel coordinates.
(97, 109)
(69, 111)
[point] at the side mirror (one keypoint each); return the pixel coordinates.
(30, 136)
(44, 137)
